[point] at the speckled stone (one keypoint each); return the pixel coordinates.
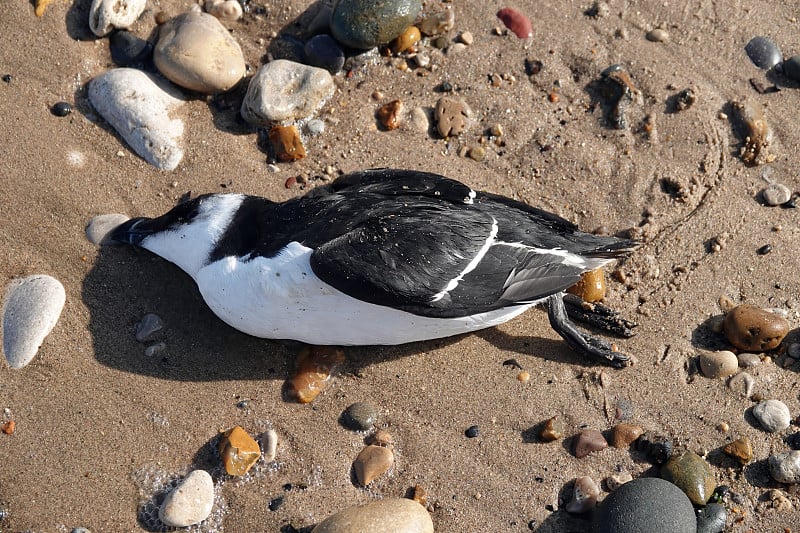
(106, 15)
(452, 116)
(389, 515)
(785, 467)
(363, 24)
(190, 502)
(645, 504)
(763, 52)
(751, 328)
(588, 441)
(360, 416)
(584, 495)
(773, 415)
(692, 474)
(720, 364)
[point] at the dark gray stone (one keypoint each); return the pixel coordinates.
(324, 52)
(763, 52)
(645, 504)
(360, 416)
(791, 68)
(712, 518)
(363, 24)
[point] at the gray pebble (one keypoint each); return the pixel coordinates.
(100, 227)
(747, 359)
(794, 350)
(712, 518)
(645, 504)
(776, 194)
(31, 309)
(363, 24)
(155, 349)
(269, 445)
(148, 326)
(785, 467)
(315, 127)
(791, 68)
(360, 416)
(773, 415)
(80, 530)
(763, 52)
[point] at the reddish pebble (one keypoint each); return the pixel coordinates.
(588, 441)
(8, 427)
(516, 22)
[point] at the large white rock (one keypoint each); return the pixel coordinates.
(785, 467)
(105, 15)
(31, 309)
(190, 502)
(284, 90)
(390, 515)
(138, 107)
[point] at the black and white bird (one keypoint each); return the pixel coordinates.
(378, 257)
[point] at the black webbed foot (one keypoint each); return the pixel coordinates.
(580, 341)
(598, 316)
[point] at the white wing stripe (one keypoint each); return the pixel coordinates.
(453, 283)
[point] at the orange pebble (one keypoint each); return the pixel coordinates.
(591, 287)
(314, 367)
(9, 427)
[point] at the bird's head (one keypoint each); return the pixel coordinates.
(185, 235)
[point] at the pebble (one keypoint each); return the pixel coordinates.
(552, 430)
(778, 501)
(712, 518)
(785, 467)
(128, 50)
(31, 310)
(269, 445)
(315, 127)
(588, 441)
(615, 481)
(791, 68)
(776, 194)
(657, 448)
(419, 120)
(284, 90)
(106, 15)
(773, 415)
(747, 359)
(743, 383)
(323, 51)
(751, 328)
(591, 287)
(721, 364)
(623, 435)
(406, 40)
(8, 427)
(149, 325)
(389, 114)
(763, 52)
(645, 504)
(657, 35)
(190, 502)
(472, 432)
(287, 143)
(452, 116)
(692, 474)
(584, 495)
(398, 515)
(61, 109)
(740, 449)
(793, 441)
(516, 21)
(466, 37)
(363, 24)
(99, 228)
(227, 10)
(315, 364)
(195, 51)
(239, 451)
(437, 22)
(360, 416)
(138, 107)
(477, 153)
(155, 349)
(372, 462)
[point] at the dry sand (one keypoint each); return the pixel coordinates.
(99, 424)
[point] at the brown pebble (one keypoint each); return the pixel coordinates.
(553, 429)
(751, 328)
(389, 114)
(406, 40)
(287, 144)
(591, 287)
(740, 449)
(524, 376)
(588, 441)
(381, 438)
(420, 495)
(623, 435)
(451, 116)
(9, 427)
(719, 364)
(314, 367)
(372, 462)
(477, 153)
(239, 451)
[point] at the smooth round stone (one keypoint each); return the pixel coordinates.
(138, 107)
(692, 474)
(128, 50)
(657, 35)
(284, 90)
(105, 15)
(195, 51)
(61, 109)
(776, 194)
(773, 415)
(645, 504)
(363, 24)
(763, 52)
(791, 68)
(747, 359)
(269, 445)
(719, 364)
(785, 467)
(324, 52)
(588, 441)
(360, 416)
(227, 10)
(31, 309)
(99, 228)
(584, 495)
(190, 502)
(389, 515)
(751, 328)
(712, 518)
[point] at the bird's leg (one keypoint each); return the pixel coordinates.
(598, 316)
(580, 341)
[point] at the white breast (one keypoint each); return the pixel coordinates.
(282, 298)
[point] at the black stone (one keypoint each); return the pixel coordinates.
(7, 78)
(657, 448)
(324, 52)
(128, 50)
(61, 109)
(472, 432)
(763, 52)
(645, 504)
(791, 68)
(712, 518)
(276, 503)
(764, 250)
(793, 441)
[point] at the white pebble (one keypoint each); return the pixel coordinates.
(99, 228)
(315, 127)
(773, 415)
(106, 15)
(269, 445)
(397, 515)
(615, 481)
(285, 90)
(190, 502)
(785, 467)
(419, 120)
(138, 107)
(584, 495)
(149, 325)
(719, 364)
(227, 10)
(31, 309)
(776, 194)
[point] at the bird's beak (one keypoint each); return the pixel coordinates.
(132, 231)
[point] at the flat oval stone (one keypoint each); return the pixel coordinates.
(360, 416)
(138, 107)
(190, 502)
(776, 194)
(751, 328)
(324, 52)
(645, 504)
(773, 415)
(31, 310)
(692, 474)
(195, 51)
(363, 24)
(105, 15)
(719, 364)
(99, 228)
(389, 515)
(763, 52)
(785, 467)
(283, 90)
